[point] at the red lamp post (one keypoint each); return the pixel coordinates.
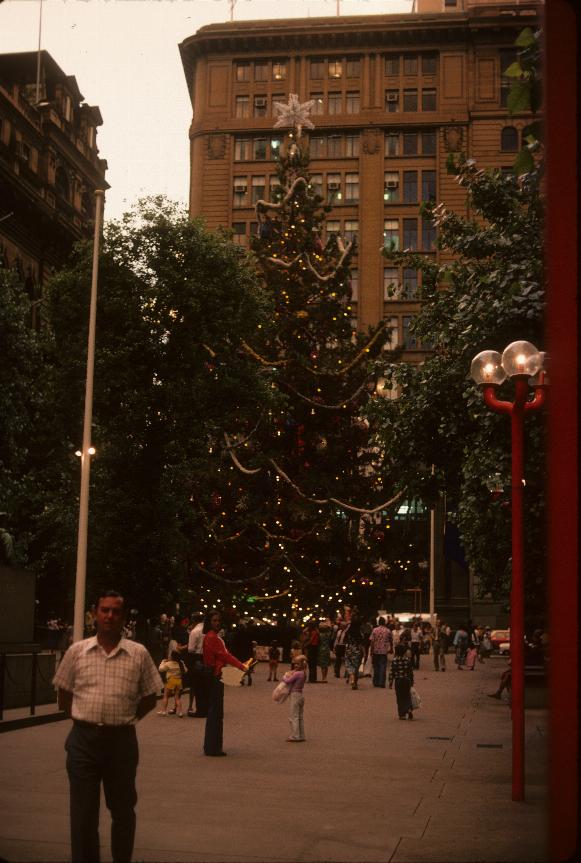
(522, 362)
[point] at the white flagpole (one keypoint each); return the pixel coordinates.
(433, 561)
(81, 577)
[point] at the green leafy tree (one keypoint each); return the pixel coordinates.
(20, 398)
(492, 293)
(168, 289)
(525, 95)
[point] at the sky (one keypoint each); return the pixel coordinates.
(124, 55)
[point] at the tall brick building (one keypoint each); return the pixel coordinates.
(395, 95)
(49, 167)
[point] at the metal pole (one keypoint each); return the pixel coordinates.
(433, 561)
(81, 576)
(38, 53)
(517, 611)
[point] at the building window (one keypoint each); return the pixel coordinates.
(391, 144)
(242, 107)
(243, 71)
(278, 97)
(410, 187)
(410, 64)
(391, 286)
(450, 4)
(334, 146)
(428, 185)
(333, 226)
(261, 71)
(335, 68)
(260, 106)
(391, 187)
(429, 143)
(61, 183)
(353, 67)
(273, 187)
(507, 57)
(410, 143)
(428, 64)
(279, 71)
(242, 149)
(318, 106)
(428, 100)
(392, 64)
(352, 103)
(410, 342)
(334, 185)
(240, 191)
(410, 234)
(428, 235)
(317, 147)
(258, 188)
(352, 145)
(316, 183)
(410, 284)
(335, 103)
(410, 100)
(391, 234)
(391, 101)
(274, 148)
(351, 229)
(317, 69)
(68, 109)
(354, 285)
(509, 139)
(392, 340)
(239, 229)
(259, 149)
(351, 188)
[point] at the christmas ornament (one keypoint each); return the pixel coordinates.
(294, 114)
(380, 566)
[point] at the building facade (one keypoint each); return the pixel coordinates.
(49, 167)
(395, 96)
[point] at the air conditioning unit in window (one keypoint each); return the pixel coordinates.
(260, 103)
(240, 189)
(334, 185)
(392, 97)
(391, 184)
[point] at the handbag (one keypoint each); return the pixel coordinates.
(281, 692)
(415, 698)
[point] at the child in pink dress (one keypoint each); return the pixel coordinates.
(295, 680)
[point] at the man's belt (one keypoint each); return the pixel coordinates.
(101, 726)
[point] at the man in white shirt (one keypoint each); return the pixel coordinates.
(199, 682)
(106, 683)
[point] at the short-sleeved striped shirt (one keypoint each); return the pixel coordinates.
(107, 687)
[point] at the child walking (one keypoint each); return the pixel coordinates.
(272, 661)
(296, 681)
(175, 670)
(471, 655)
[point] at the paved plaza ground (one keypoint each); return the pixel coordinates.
(364, 788)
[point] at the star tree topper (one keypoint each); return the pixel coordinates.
(294, 114)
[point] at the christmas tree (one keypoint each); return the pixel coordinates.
(299, 504)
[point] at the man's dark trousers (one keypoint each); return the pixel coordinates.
(379, 661)
(109, 755)
(339, 656)
(416, 649)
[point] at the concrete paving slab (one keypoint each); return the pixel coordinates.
(364, 787)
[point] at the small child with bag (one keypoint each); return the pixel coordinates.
(291, 687)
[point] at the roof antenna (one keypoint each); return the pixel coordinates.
(38, 56)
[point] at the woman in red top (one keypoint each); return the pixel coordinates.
(313, 649)
(215, 657)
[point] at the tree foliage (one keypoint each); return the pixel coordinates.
(490, 294)
(168, 289)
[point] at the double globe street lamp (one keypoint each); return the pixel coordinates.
(523, 363)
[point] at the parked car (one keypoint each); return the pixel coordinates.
(500, 637)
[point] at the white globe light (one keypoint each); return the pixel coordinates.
(521, 358)
(486, 368)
